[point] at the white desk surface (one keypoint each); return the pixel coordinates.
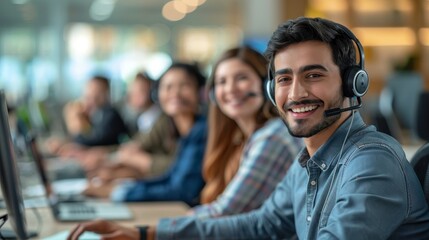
(147, 213)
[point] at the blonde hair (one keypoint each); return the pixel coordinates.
(225, 139)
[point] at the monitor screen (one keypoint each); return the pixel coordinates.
(10, 184)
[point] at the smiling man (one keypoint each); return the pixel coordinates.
(349, 182)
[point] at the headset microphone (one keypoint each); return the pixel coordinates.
(251, 94)
(335, 111)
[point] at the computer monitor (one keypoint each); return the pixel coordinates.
(9, 181)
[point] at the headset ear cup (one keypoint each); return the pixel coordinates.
(154, 93)
(361, 83)
(269, 91)
(356, 82)
(154, 96)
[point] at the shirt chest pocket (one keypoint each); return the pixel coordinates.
(330, 196)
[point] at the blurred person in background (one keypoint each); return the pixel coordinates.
(91, 121)
(179, 97)
(139, 111)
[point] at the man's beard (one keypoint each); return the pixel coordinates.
(305, 132)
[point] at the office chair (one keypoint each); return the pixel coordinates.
(385, 118)
(420, 163)
(422, 118)
(420, 160)
(405, 88)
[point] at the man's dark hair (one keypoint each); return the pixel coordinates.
(102, 80)
(143, 76)
(307, 29)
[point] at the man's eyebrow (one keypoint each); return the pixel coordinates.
(283, 71)
(302, 69)
(313, 67)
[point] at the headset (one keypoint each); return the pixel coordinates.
(154, 92)
(355, 78)
(264, 80)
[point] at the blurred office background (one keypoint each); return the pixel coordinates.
(49, 48)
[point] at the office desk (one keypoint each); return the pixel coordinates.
(144, 213)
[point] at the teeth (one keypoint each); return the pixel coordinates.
(304, 109)
(236, 101)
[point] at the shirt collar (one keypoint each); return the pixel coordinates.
(329, 151)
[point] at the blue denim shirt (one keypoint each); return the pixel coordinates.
(182, 182)
(370, 192)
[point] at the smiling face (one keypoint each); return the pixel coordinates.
(234, 81)
(178, 93)
(139, 94)
(307, 83)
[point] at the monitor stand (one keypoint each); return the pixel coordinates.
(10, 234)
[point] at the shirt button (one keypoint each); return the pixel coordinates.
(313, 183)
(323, 165)
(308, 218)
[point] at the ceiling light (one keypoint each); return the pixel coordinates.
(101, 9)
(170, 13)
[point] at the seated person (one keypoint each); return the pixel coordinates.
(178, 93)
(349, 182)
(139, 111)
(91, 121)
(249, 149)
(154, 151)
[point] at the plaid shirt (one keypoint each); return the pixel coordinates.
(265, 160)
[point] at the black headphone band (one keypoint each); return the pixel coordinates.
(359, 46)
(349, 34)
(355, 79)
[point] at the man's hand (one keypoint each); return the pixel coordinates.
(94, 158)
(127, 151)
(132, 156)
(71, 150)
(108, 231)
(76, 118)
(53, 144)
(117, 171)
(99, 189)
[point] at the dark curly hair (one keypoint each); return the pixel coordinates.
(304, 29)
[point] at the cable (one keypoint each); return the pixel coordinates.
(339, 158)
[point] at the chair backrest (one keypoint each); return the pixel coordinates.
(422, 124)
(406, 88)
(420, 163)
(385, 118)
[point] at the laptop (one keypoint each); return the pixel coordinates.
(76, 208)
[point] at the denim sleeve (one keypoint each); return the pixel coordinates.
(274, 220)
(183, 182)
(372, 196)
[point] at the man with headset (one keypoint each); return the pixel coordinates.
(350, 182)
